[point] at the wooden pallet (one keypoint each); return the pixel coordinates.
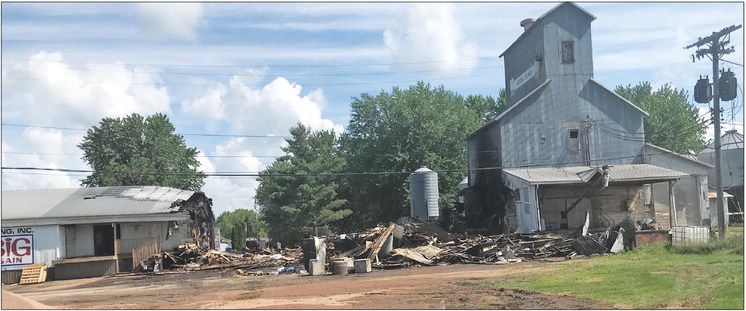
(36, 273)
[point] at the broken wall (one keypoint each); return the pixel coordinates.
(564, 207)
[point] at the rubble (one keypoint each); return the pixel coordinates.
(404, 243)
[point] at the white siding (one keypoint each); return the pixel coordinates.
(46, 244)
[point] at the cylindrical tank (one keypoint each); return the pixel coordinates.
(339, 266)
(423, 194)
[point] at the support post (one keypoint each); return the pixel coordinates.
(674, 217)
(716, 117)
(116, 247)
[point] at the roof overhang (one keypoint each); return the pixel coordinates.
(627, 173)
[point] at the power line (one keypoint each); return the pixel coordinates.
(283, 75)
(259, 66)
(252, 85)
(258, 174)
(730, 62)
(184, 134)
(199, 156)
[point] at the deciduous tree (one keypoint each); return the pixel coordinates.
(673, 122)
(138, 151)
(399, 131)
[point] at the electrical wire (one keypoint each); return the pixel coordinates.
(259, 174)
(160, 84)
(278, 74)
(260, 66)
(730, 62)
(184, 134)
(198, 156)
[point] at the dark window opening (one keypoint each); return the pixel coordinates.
(568, 52)
(574, 141)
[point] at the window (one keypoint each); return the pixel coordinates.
(568, 52)
(574, 141)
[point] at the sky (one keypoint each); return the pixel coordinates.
(225, 71)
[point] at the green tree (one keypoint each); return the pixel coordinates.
(238, 237)
(398, 132)
(487, 106)
(673, 122)
(240, 224)
(298, 192)
(137, 151)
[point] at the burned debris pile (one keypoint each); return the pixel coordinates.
(409, 242)
(403, 243)
(189, 257)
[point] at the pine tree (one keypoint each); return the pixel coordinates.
(298, 192)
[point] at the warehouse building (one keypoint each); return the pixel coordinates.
(90, 232)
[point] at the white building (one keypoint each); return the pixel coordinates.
(93, 231)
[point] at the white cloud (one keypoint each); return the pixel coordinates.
(171, 19)
(429, 32)
(46, 91)
(50, 144)
(270, 109)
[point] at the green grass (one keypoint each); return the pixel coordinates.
(706, 276)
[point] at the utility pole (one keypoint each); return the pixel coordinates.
(715, 49)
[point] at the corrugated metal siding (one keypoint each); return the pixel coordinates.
(519, 59)
(537, 133)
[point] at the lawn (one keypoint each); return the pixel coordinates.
(708, 276)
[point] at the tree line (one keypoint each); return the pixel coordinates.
(303, 193)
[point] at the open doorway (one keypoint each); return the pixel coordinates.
(103, 240)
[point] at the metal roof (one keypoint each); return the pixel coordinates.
(581, 174)
(730, 140)
(85, 202)
(543, 16)
(682, 156)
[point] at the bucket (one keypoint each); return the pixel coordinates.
(339, 267)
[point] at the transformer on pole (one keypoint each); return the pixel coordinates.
(715, 49)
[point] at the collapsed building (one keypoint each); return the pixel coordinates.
(568, 148)
(89, 232)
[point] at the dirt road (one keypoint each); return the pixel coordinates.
(439, 287)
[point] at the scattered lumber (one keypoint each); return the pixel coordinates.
(379, 242)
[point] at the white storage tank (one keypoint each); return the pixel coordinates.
(423, 194)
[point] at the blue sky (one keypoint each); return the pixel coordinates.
(258, 68)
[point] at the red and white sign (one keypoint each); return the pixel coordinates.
(17, 249)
